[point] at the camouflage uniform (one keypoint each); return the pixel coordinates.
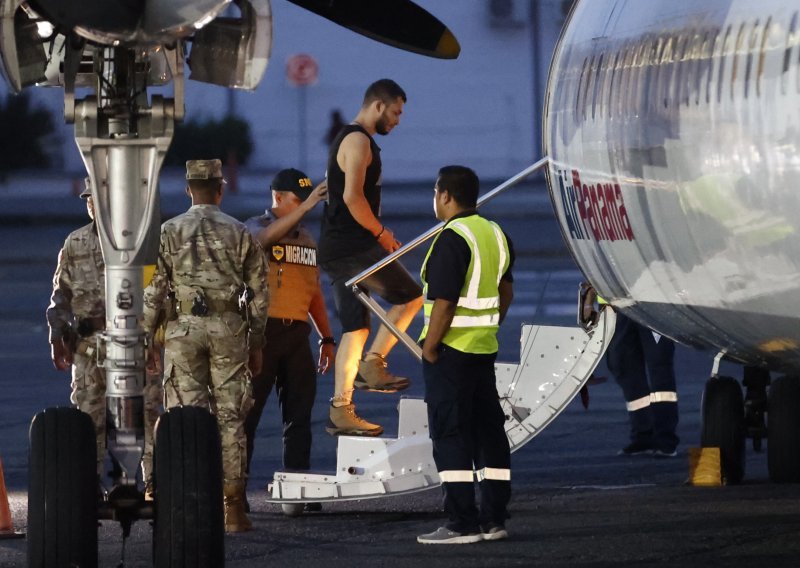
(207, 256)
(78, 291)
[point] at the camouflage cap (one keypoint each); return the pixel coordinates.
(204, 169)
(87, 189)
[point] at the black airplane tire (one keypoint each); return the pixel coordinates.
(62, 490)
(189, 526)
(783, 430)
(723, 425)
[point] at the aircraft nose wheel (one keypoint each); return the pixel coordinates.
(62, 494)
(724, 425)
(189, 527)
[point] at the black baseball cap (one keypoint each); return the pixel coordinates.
(292, 180)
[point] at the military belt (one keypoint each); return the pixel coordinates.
(214, 306)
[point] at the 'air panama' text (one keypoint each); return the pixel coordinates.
(593, 211)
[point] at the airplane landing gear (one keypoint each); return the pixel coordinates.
(723, 425)
(783, 427)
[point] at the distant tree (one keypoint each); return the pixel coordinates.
(23, 132)
(225, 139)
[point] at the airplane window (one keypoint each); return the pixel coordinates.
(762, 55)
(715, 60)
(683, 68)
(581, 81)
(625, 80)
(643, 69)
(737, 50)
(726, 46)
(587, 86)
(609, 92)
(598, 76)
(664, 71)
(628, 94)
(751, 48)
(791, 40)
(703, 56)
(650, 88)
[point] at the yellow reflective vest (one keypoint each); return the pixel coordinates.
(477, 315)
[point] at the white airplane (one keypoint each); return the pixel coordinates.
(673, 133)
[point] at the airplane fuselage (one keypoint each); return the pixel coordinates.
(674, 133)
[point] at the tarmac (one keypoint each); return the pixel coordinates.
(575, 502)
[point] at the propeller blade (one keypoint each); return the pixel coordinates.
(399, 23)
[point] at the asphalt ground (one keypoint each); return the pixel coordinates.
(575, 502)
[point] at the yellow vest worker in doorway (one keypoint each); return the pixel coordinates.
(467, 288)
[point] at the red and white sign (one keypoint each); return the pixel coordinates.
(302, 70)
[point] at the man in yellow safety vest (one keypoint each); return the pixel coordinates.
(467, 288)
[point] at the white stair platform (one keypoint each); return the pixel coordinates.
(555, 362)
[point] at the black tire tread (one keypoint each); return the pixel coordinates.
(783, 430)
(723, 425)
(189, 525)
(62, 492)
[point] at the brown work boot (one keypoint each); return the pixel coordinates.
(343, 421)
(235, 518)
(373, 375)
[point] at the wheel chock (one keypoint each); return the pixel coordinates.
(705, 467)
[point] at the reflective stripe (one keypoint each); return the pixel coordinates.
(638, 404)
(494, 473)
(479, 303)
(664, 396)
(487, 320)
(645, 401)
(472, 289)
(459, 476)
(498, 234)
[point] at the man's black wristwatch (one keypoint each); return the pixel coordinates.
(327, 341)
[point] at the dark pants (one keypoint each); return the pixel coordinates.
(643, 366)
(466, 425)
(289, 365)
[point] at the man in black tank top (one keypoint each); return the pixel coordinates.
(353, 239)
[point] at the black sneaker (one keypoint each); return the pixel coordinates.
(636, 448)
(443, 535)
(661, 454)
(494, 531)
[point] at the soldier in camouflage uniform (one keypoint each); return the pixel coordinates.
(207, 259)
(76, 314)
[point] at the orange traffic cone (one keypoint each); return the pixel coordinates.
(6, 526)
